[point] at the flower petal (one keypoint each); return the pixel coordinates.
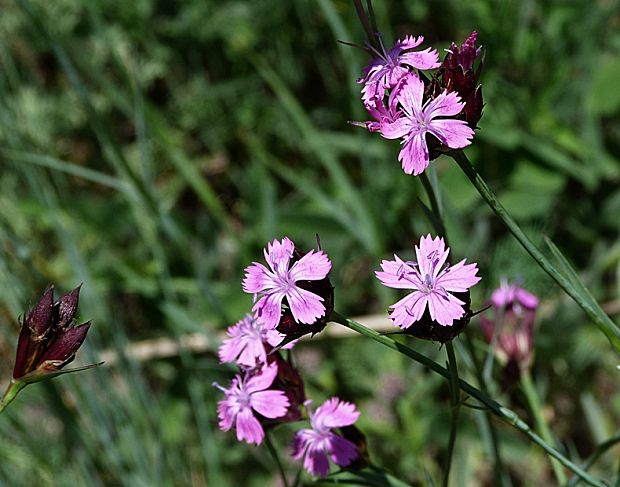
(414, 155)
(268, 310)
(257, 279)
(335, 413)
(426, 59)
(305, 306)
(456, 134)
(278, 254)
(341, 450)
(395, 129)
(445, 309)
(410, 94)
(271, 404)
(311, 267)
(248, 427)
(316, 462)
(409, 309)
(458, 278)
(446, 104)
(262, 380)
(431, 254)
(226, 414)
(398, 274)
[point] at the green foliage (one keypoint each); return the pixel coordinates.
(149, 149)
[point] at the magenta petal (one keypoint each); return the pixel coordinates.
(271, 404)
(409, 42)
(526, 298)
(341, 450)
(456, 134)
(257, 279)
(444, 310)
(278, 254)
(268, 310)
(414, 155)
(225, 414)
(431, 254)
(395, 129)
(263, 380)
(334, 413)
(392, 275)
(316, 462)
(305, 306)
(248, 427)
(458, 278)
(410, 94)
(312, 267)
(446, 105)
(409, 309)
(427, 59)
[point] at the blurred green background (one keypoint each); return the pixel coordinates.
(150, 149)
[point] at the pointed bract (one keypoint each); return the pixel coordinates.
(47, 340)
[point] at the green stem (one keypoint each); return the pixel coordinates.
(503, 413)
(500, 475)
(11, 393)
(455, 404)
(584, 300)
(602, 448)
(436, 206)
(535, 406)
(276, 457)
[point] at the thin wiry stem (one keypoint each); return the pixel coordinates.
(505, 414)
(455, 404)
(276, 457)
(536, 408)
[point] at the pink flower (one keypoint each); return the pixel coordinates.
(431, 283)
(512, 327)
(248, 343)
(316, 443)
(278, 282)
(512, 296)
(420, 119)
(249, 394)
(386, 70)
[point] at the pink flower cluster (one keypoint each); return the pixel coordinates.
(268, 390)
(404, 107)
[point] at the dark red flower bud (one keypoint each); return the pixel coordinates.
(290, 382)
(460, 74)
(47, 341)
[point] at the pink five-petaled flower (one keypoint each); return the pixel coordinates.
(316, 443)
(280, 281)
(431, 281)
(247, 394)
(247, 341)
(386, 70)
(420, 119)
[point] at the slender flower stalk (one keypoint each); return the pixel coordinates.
(455, 406)
(573, 287)
(536, 408)
(505, 414)
(48, 341)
